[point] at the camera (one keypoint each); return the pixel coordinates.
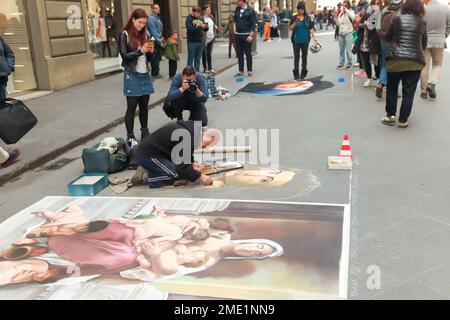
(192, 86)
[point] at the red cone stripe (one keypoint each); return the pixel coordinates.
(345, 148)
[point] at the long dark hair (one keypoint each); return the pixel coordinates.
(137, 39)
(414, 7)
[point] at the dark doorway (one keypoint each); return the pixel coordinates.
(120, 21)
(165, 17)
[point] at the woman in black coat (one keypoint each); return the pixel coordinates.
(405, 60)
(7, 63)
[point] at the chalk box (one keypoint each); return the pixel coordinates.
(339, 163)
(89, 184)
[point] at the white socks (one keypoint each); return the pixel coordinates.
(3, 155)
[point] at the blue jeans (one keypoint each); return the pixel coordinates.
(345, 48)
(160, 172)
(383, 71)
(319, 22)
(195, 51)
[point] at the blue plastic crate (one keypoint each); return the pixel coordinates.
(88, 189)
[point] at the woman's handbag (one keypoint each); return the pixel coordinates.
(16, 120)
(315, 47)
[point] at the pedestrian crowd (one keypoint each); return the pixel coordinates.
(394, 41)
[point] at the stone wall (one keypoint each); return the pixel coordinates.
(60, 43)
(66, 36)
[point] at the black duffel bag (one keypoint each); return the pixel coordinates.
(16, 120)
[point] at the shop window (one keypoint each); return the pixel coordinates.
(14, 30)
(103, 32)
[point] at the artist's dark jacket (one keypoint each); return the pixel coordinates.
(175, 93)
(194, 30)
(130, 54)
(408, 38)
(248, 22)
(159, 144)
(7, 59)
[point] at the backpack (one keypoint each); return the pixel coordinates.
(211, 85)
(101, 161)
(386, 21)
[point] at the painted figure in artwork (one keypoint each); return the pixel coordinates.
(254, 178)
(157, 245)
(287, 88)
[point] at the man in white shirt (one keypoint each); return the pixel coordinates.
(209, 40)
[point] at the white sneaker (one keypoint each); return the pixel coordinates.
(132, 142)
(368, 83)
(279, 39)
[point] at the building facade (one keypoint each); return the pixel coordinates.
(61, 43)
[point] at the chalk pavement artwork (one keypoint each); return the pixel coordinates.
(169, 248)
(288, 88)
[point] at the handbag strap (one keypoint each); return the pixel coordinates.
(7, 102)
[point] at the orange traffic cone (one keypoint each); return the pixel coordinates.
(346, 151)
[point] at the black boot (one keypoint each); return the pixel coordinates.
(379, 91)
(304, 73)
(296, 74)
(144, 133)
(431, 89)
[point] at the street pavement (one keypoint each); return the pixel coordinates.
(399, 196)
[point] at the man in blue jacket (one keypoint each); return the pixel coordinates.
(196, 27)
(155, 29)
(187, 92)
(245, 25)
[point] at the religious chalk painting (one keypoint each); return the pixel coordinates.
(168, 248)
(288, 88)
(254, 178)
